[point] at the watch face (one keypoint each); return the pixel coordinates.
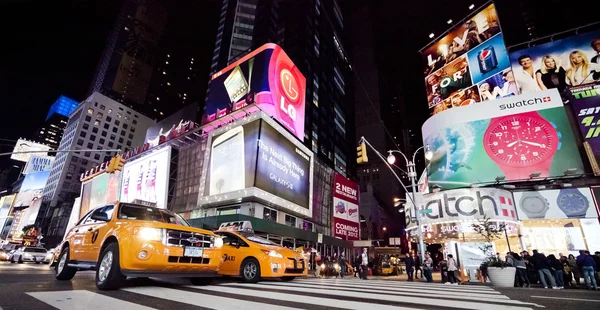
(572, 203)
(533, 204)
(521, 140)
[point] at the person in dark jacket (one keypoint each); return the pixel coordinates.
(418, 266)
(342, 264)
(410, 263)
(588, 267)
(557, 268)
(541, 263)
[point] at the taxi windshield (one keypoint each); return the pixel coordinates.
(260, 240)
(142, 213)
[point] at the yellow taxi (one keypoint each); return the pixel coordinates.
(127, 240)
(251, 257)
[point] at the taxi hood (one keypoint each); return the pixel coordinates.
(174, 227)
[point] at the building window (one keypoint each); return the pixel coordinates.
(108, 118)
(102, 107)
(102, 141)
(90, 111)
(117, 122)
(88, 118)
(119, 115)
(134, 121)
(103, 133)
(114, 129)
(110, 144)
(95, 130)
(85, 126)
(87, 154)
(113, 137)
(82, 134)
(92, 138)
(123, 133)
(132, 129)
(125, 126)
(130, 136)
(79, 142)
(97, 156)
(106, 126)
(90, 145)
(270, 215)
(97, 122)
(121, 140)
(290, 221)
(128, 143)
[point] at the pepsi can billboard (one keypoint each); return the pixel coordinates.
(487, 59)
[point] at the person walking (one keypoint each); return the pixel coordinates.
(597, 258)
(541, 263)
(409, 262)
(364, 265)
(567, 273)
(572, 261)
(452, 268)
(557, 269)
(519, 263)
(418, 268)
(588, 267)
(428, 268)
(342, 263)
(356, 265)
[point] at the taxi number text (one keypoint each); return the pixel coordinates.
(192, 251)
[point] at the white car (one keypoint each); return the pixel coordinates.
(30, 254)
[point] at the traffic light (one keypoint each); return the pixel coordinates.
(361, 153)
(116, 163)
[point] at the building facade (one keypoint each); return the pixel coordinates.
(313, 35)
(96, 129)
(54, 126)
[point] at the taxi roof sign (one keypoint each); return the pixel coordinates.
(237, 226)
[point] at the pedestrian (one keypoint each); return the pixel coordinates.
(572, 261)
(519, 263)
(409, 262)
(557, 269)
(364, 264)
(567, 273)
(541, 263)
(417, 260)
(428, 268)
(452, 268)
(597, 261)
(588, 267)
(356, 266)
(342, 263)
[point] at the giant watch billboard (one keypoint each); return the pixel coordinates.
(346, 217)
(266, 77)
(146, 179)
(509, 138)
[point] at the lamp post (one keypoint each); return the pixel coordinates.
(412, 174)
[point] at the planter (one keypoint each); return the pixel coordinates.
(502, 277)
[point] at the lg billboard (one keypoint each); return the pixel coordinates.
(146, 179)
(510, 137)
(257, 155)
(468, 65)
(266, 77)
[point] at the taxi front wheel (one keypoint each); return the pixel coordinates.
(62, 269)
(250, 270)
(108, 270)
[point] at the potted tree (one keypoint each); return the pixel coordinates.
(500, 273)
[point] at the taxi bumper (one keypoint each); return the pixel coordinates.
(283, 267)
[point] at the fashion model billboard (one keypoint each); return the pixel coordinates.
(556, 204)
(469, 54)
(510, 137)
(171, 124)
(146, 179)
(31, 188)
(560, 64)
(266, 77)
(346, 217)
(257, 155)
(463, 204)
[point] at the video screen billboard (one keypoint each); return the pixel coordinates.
(266, 77)
(23, 146)
(569, 62)
(146, 179)
(556, 204)
(163, 128)
(31, 188)
(257, 155)
(585, 102)
(511, 137)
(459, 65)
(5, 208)
(346, 216)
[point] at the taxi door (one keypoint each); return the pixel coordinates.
(94, 232)
(233, 253)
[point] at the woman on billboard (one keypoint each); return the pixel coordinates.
(551, 75)
(581, 71)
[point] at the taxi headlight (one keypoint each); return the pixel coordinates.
(218, 242)
(322, 266)
(149, 233)
(336, 266)
(273, 253)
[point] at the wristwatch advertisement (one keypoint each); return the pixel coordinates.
(534, 205)
(572, 202)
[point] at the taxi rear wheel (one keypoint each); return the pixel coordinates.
(108, 270)
(62, 269)
(287, 279)
(250, 270)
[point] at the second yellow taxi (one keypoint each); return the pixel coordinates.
(251, 257)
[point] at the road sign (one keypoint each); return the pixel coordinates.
(426, 211)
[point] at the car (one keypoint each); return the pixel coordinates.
(252, 257)
(130, 240)
(29, 254)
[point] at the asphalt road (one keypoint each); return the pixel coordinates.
(30, 286)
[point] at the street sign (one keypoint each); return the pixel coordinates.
(426, 211)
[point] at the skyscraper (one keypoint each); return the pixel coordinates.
(313, 35)
(54, 126)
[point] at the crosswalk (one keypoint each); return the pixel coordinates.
(307, 293)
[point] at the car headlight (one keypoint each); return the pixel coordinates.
(149, 233)
(336, 266)
(273, 253)
(218, 242)
(322, 266)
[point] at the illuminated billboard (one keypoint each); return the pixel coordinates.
(556, 204)
(261, 155)
(459, 66)
(146, 179)
(32, 188)
(346, 217)
(511, 137)
(24, 146)
(266, 77)
(38, 163)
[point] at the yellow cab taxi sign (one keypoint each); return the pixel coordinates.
(240, 226)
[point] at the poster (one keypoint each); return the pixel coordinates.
(346, 217)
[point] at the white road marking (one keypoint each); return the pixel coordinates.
(565, 298)
(85, 300)
(420, 286)
(326, 302)
(408, 299)
(204, 300)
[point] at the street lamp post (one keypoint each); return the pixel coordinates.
(412, 174)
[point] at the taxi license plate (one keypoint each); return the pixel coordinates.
(192, 251)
